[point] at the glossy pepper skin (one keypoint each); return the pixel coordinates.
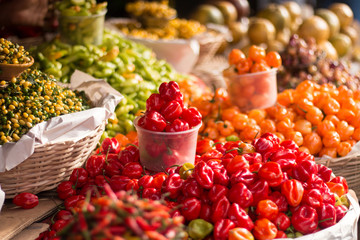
(304, 169)
(110, 145)
(171, 91)
(204, 175)
(177, 125)
(171, 110)
(260, 190)
(271, 172)
(79, 177)
(341, 180)
(236, 164)
(285, 157)
(199, 229)
(153, 121)
(340, 210)
(66, 189)
(26, 200)
(327, 215)
(293, 191)
(222, 228)
(324, 172)
(220, 209)
(280, 201)
(191, 208)
(241, 195)
(192, 116)
(267, 209)
(240, 234)
(282, 221)
(216, 192)
(313, 198)
(154, 102)
(239, 216)
(305, 219)
(243, 176)
(173, 185)
(264, 229)
(94, 165)
(191, 188)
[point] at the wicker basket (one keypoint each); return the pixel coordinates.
(49, 165)
(209, 43)
(347, 167)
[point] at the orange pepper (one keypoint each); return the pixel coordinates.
(240, 234)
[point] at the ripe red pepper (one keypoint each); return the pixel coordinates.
(214, 164)
(327, 215)
(88, 188)
(243, 176)
(222, 228)
(151, 193)
(95, 164)
(170, 157)
(110, 145)
(212, 154)
(316, 182)
(219, 209)
(271, 137)
(241, 195)
(305, 219)
(173, 185)
(129, 154)
(289, 144)
(253, 158)
(271, 172)
(154, 102)
(282, 221)
(264, 229)
(171, 110)
(71, 202)
(340, 210)
(301, 156)
(159, 179)
(324, 172)
(133, 170)
(191, 208)
(220, 176)
(118, 183)
(191, 188)
(192, 116)
(267, 209)
(132, 185)
(178, 125)
(260, 190)
(304, 169)
(66, 189)
(236, 164)
(205, 212)
(58, 225)
(293, 191)
(240, 217)
(171, 91)
(342, 181)
(285, 157)
(146, 181)
(101, 180)
(153, 121)
(64, 215)
(263, 145)
(255, 167)
(113, 167)
(216, 192)
(204, 175)
(313, 198)
(79, 177)
(328, 197)
(204, 145)
(26, 200)
(280, 201)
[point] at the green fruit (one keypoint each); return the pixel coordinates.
(331, 19)
(342, 44)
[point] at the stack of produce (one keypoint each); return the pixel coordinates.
(264, 190)
(11, 53)
(130, 68)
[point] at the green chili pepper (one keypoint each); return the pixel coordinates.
(199, 229)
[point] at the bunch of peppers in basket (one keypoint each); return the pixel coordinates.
(264, 190)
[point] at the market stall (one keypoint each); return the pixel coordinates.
(222, 125)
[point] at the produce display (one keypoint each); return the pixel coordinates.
(32, 98)
(130, 68)
(268, 189)
(11, 53)
(151, 9)
(80, 8)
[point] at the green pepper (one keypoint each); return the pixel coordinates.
(232, 138)
(199, 229)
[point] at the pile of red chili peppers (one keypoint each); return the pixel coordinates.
(263, 190)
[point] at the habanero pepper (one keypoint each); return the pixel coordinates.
(241, 195)
(199, 228)
(71, 202)
(324, 172)
(79, 177)
(154, 102)
(26, 200)
(301, 156)
(132, 185)
(337, 188)
(240, 234)
(243, 176)
(191, 208)
(305, 219)
(271, 172)
(204, 175)
(282, 221)
(239, 216)
(289, 144)
(253, 157)
(171, 110)
(341, 180)
(191, 188)
(118, 182)
(94, 165)
(173, 185)
(129, 154)
(260, 190)
(264, 229)
(285, 157)
(216, 192)
(304, 169)
(152, 121)
(313, 198)
(340, 210)
(280, 201)
(204, 145)
(219, 209)
(133, 170)
(66, 189)
(271, 137)
(110, 145)
(267, 209)
(222, 228)
(113, 167)
(151, 193)
(178, 125)
(327, 215)
(236, 164)
(263, 145)
(171, 91)
(192, 116)
(293, 191)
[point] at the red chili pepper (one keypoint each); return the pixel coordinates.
(204, 145)
(289, 144)
(324, 172)
(342, 181)
(271, 172)
(220, 208)
(267, 209)
(337, 188)
(154, 121)
(205, 212)
(154, 102)
(132, 185)
(285, 157)
(222, 228)
(158, 180)
(101, 180)
(146, 181)
(133, 170)
(26, 200)
(64, 215)
(253, 158)
(281, 234)
(214, 164)
(216, 192)
(129, 154)
(240, 217)
(327, 215)
(94, 165)
(191, 208)
(260, 190)
(255, 167)
(282, 221)
(263, 145)
(280, 201)
(110, 145)
(243, 176)
(171, 91)
(113, 167)
(59, 225)
(79, 177)
(271, 137)
(341, 211)
(178, 125)
(66, 189)
(192, 116)
(88, 188)
(328, 197)
(170, 157)
(241, 195)
(118, 183)
(212, 154)
(191, 188)
(305, 219)
(219, 146)
(316, 182)
(301, 156)
(204, 175)
(313, 198)
(221, 177)
(151, 193)
(293, 191)
(171, 110)
(236, 164)
(71, 202)
(264, 229)
(303, 170)
(173, 185)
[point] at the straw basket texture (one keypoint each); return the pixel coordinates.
(347, 167)
(49, 165)
(209, 43)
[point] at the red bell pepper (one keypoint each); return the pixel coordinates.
(285, 157)
(173, 185)
(110, 145)
(282, 221)
(260, 190)
(264, 229)
(280, 201)
(222, 228)
(221, 177)
(236, 164)
(243, 176)
(204, 175)
(216, 192)
(271, 172)
(293, 191)
(327, 215)
(305, 219)
(341, 211)
(191, 188)
(324, 172)
(241, 195)
(95, 164)
(304, 169)
(267, 209)
(219, 209)
(341, 180)
(190, 208)
(313, 198)
(240, 217)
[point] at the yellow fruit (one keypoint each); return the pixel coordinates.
(228, 11)
(260, 31)
(331, 19)
(208, 14)
(294, 10)
(342, 44)
(277, 14)
(329, 49)
(344, 13)
(315, 27)
(350, 32)
(238, 31)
